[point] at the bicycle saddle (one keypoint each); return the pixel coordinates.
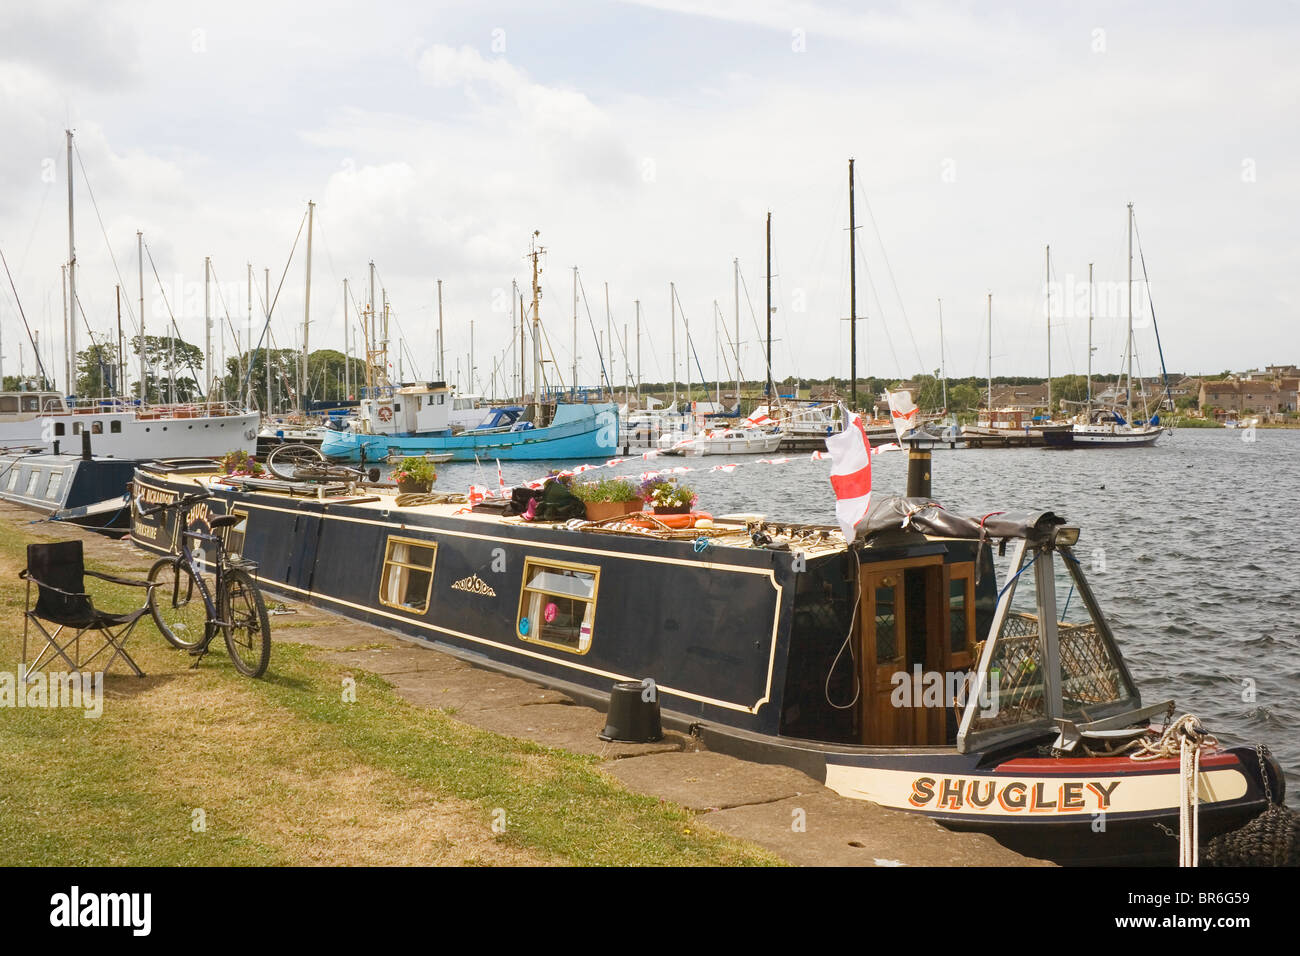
(224, 521)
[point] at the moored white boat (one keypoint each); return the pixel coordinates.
(35, 421)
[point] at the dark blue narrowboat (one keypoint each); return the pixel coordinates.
(87, 491)
(895, 668)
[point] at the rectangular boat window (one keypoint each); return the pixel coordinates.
(76, 428)
(31, 403)
(115, 426)
(407, 578)
(97, 428)
(53, 403)
(9, 403)
(557, 604)
(961, 599)
(52, 489)
(887, 650)
(13, 476)
(36, 475)
(60, 428)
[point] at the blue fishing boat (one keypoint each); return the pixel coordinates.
(413, 420)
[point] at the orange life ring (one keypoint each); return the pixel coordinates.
(385, 413)
(675, 522)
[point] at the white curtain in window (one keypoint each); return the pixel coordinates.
(397, 575)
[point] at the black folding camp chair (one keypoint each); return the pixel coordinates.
(58, 571)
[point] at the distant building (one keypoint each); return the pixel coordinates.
(1234, 396)
(1026, 398)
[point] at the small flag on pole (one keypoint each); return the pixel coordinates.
(501, 481)
(903, 411)
(850, 475)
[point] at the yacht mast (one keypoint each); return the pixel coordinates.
(1129, 390)
(1049, 333)
(303, 379)
(72, 282)
(347, 346)
(989, 401)
(537, 330)
(672, 305)
(736, 282)
(768, 386)
(266, 351)
(144, 378)
(67, 358)
(609, 343)
(1089, 340)
(943, 367)
(853, 300)
(638, 353)
(207, 323)
(573, 381)
(442, 342)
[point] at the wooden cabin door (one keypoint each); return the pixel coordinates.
(904, 623)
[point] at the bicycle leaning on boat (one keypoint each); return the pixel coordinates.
(232, 605)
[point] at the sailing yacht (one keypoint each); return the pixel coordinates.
(1107, 428)
(46, 421)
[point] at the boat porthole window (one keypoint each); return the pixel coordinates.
(147, 428)
(407, 578)
(557, 604)
(115, 427)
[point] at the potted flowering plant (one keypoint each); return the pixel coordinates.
(240, 463)
(607, 498)
(415, 475)
(667, 497)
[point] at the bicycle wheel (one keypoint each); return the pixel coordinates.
(177, 605)
(248, 631)
(284, 460)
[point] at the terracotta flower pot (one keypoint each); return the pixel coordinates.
(602, 510)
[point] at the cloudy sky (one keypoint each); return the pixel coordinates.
(647, 141)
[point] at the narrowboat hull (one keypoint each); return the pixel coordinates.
(737, 641)
(89, 492)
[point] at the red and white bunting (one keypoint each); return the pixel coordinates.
(819, 455)
(850, 476)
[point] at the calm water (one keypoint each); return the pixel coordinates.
(1201, 581)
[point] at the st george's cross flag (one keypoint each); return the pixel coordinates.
(903, 411)
(850, 475)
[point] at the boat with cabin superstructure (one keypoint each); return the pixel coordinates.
(895, 667)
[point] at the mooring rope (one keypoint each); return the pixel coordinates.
(1184, 737)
